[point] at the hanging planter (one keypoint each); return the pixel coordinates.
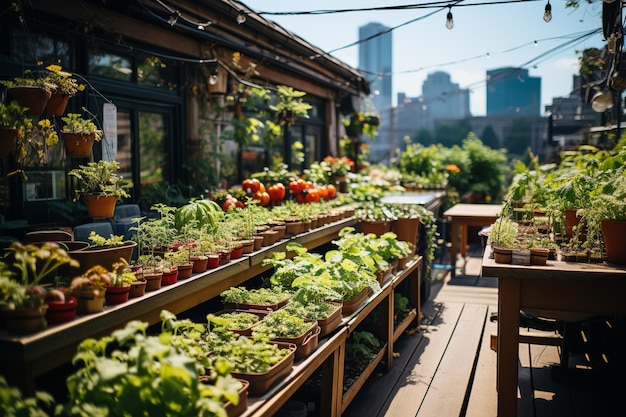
(57, 103)
(34, 98)
(78, 145)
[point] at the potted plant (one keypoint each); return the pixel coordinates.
(61, 303)
(104, 251)
(605, 216)
(374, 218)
(119, 374)
(118, 291)
(100, 187)
(14, 125)
(30, 91)
(503, 238)
(62, 86)
(78, 135)
(90, 287)
(23, 270)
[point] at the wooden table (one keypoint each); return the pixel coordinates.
(557, 287)
(463, 215)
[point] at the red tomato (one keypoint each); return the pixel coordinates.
(276, 192)
(312, 195)
(296, 186)
(323, 190)
(332, 191)
(262, 197)
(230, 202)
(251, 185)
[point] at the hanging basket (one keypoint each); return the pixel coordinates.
(101, 206)
(77, 145)
(34, 98)
(8, 138)
(56, 104)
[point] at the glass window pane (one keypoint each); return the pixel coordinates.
(29, 47)
(156, 72)
(111, 66)
(152, 150)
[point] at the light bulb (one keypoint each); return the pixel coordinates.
(449, 21)
(547, 14)
(214, 76)
(241, 17)
(602, 101)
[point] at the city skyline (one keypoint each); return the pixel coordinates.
(484, 37)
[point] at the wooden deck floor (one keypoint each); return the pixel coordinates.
(449, 370)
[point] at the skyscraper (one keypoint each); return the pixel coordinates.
(375, 60)
(512, 92)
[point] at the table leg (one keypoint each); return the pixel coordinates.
(454, 236)
(508, 348)
(463, 243)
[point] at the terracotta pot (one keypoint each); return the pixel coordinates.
(185, 271)
(153, 280)
(34, 98)
(293, 228)
(8, 138)
(137, 289)
(502, 255)
(258, 242)
(539, 256)
(378, 227)
(170, 277)
(237, 252)
(91, 301)
(77, 145)
(101, 206)
(614, 233)
(25, 320)
(61, 311)
(224, 257)
(213, 261)
(407, 230)
(56, 104)
(248, 246)
(199, 263)
(306, 343)
(105, 256)
(117, 295)
(331, 322)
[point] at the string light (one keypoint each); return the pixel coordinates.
(547, 13)
(449, 21)
(213, 77)
(241, 17)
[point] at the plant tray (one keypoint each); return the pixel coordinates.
(246, 306)
(237, 410)
(261, 383)
(330, 323)
(247, 331)
(353, 305)
(306, 343)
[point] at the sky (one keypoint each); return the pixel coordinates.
(484, 37)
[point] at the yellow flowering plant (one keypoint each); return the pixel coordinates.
(62, 82)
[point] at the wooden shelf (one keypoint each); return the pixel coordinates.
(27, 357)
(404, 324)
(358, 384)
